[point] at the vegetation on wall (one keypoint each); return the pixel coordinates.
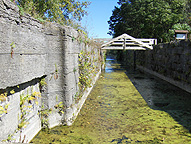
(148, 18)
(27, 102)
(67, 12)
(12, 49)
(44, 116)
(89, 65)
(86, 69)
(3, 108)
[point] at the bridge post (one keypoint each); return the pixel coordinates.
(124, 44)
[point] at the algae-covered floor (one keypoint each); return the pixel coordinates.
(115, 112)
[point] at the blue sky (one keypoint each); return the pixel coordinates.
(99, 13)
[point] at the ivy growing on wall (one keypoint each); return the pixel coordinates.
(26, 103)
(3, 108)
(86, 69)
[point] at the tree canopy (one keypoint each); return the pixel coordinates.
(148, 18)
(61, 11)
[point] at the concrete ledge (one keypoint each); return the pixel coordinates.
(181, 85)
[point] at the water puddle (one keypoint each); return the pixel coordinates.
(127, 107)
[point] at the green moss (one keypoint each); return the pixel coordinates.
(115, 112)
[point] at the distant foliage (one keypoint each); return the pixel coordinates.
(148, 18)
(178, 26)
(60, 11)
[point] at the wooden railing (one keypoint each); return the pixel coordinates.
(127, 42)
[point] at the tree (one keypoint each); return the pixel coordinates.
(147, 18)
(177, 26)
(61, 11)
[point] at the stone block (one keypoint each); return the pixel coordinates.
(189, 79)
(30, 131)
(68, 98)
(25, 40)
(9, 5)
(56, 84)
(20, 69)
(55, 97)
(55, 119)
(53, 29)
(69, 31)
(71, 80)
(72, 46)
(71, 63)
(9, 121)
(48, 50)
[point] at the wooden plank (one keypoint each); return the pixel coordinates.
(125, 40)
(151, 41)
(114, 39)
(121, 48)
(122, 44)
(138, 41)
(127, 37)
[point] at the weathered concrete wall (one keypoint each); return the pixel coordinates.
(169, 61)
(49, 51)
(21, 68)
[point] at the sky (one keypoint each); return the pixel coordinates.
(99, 12)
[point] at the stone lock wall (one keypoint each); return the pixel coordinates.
(169, 61)
(30, 52)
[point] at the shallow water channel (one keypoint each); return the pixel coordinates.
(127, 106)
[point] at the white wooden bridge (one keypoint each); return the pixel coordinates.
(127, 42)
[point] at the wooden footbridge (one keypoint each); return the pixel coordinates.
(127, 42)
